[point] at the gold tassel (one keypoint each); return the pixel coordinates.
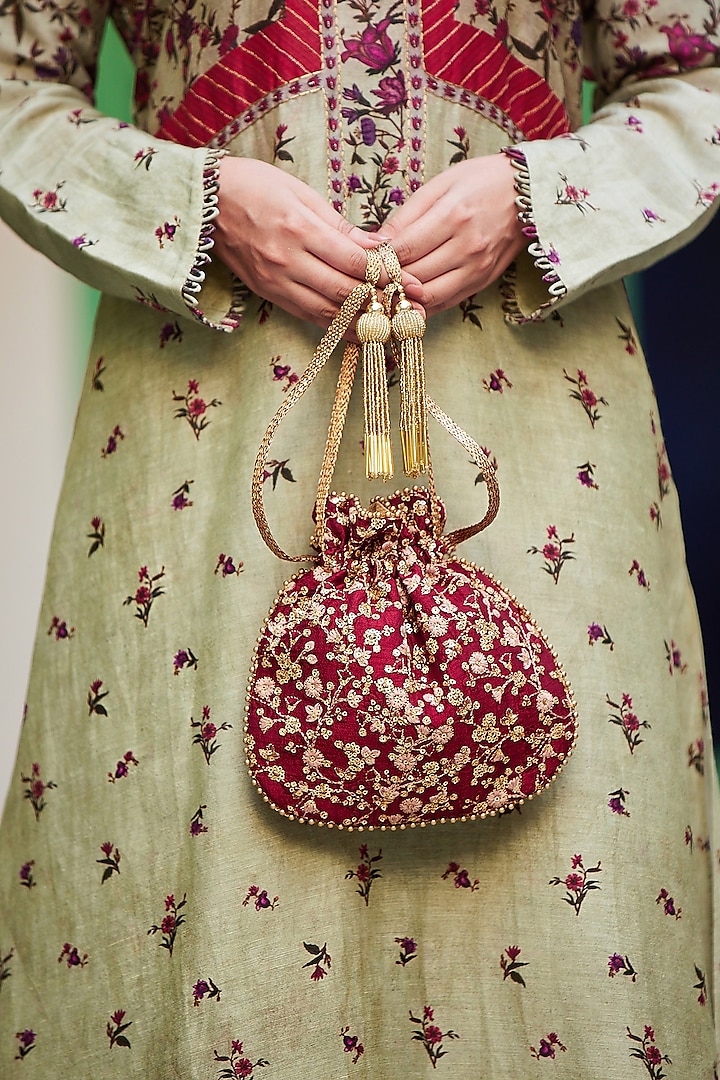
(408, 327)
(373, 330)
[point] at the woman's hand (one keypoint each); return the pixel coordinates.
(458, 232)
(285, 242)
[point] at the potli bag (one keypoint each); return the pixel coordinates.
(394, 684)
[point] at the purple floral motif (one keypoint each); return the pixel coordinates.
(687, 47)
(430, 1035)
(226, 566)
(262, 902)
(596, 633)
(5, 972)
(696, 756)
(110, 860)
(165, 233)
(469, 309)
(586, 475)
(318, 957)
(650, 216)
(205, 988)
(72, 957)
(26, 1043)
(35, 789)
(194, 408)
(81, 242)
(548, 1047)
(96, 535)
(172, 921)
(627, 721)
(283, 373)
(59, 628)
(98, 372)
(668, 904)
(205, 733)
(352, 1044)
(146, 593)
(637, 570)
(647, 1052)
(180, 500)
(616, 802)
(197, 826)
(700, 985)
(26, 875)
(587, 397)
(578, 883)
(95, 697)
(511, 965)
(496, 381)
(48, 202)
(461, 878)
(554, 552)
(122, 767)
(144, 157)
(238, 1067)
(184, 658)
(408, 950)
(373, 47)
(706, 196)
(170, 331)
(365, 873)
(663, 471)
(674, 658)
(620, 965)
(116, 1028)
(115, 437)
(279, 150)
(626, 334)
(275, 469)
(461, 144)
(634, 123)
(570, 195)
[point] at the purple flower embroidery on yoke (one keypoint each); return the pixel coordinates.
(374, 48)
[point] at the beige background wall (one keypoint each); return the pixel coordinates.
(42, 339)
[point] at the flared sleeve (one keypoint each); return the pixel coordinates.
(123, 211)
(642, 178)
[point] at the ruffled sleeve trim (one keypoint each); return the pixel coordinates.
(191, 290)
(543, 262)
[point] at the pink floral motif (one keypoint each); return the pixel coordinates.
(59, 628)
(690, 840)
(144, 157)
(35, 789)
(616, 802)
(237, 1066)
(547, 1047)
(430, 1035)
(637, 571)
(674, 658)
(197, 826)
(570, 195)
(596, 633)
(646, 1051)
(165, 233)
(194, 408)
(701, 986)
(633, 123)
(511, 965)
(627, 721)
(461, 144)
(283, 374)
(116, 1028)
(578, 883)
(318, 957)
(173, 919)
(48, 202)
(689, 48)
(461, 878)
(96, 535)
(352, 1044)
(706, 194)
(651, 216)
(496, 381)
(122, 767)
(656, 515)
(586, 474)
(146, 593)
(261, 901)
(110, 860)
(408, 950)
(206, 732)
(365, 873)
(184, 659)
(26, 875)
(180, 500)
(626, 334)
(115, 437)
(587, 397)
(205, 988)
(554, 552)
(226, 566)
(98, 372)
(95, 697)
(72, 957)
(620, 965)
(280, 153)
(668, 904)
(373, 48)
(26, 1043)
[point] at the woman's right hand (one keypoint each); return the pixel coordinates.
(285, 242)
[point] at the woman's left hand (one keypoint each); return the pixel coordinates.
(458, 232)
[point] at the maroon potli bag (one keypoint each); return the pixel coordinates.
(394, 684)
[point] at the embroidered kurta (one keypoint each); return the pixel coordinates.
(157, 919)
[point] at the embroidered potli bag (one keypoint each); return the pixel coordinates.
(394, 685)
